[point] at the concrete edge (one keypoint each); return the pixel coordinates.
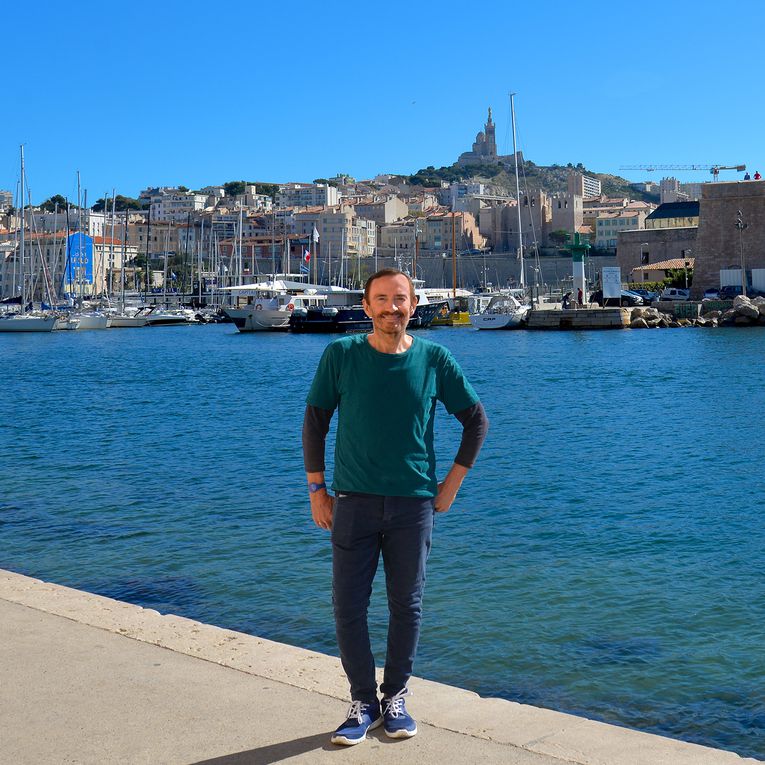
(566, 737)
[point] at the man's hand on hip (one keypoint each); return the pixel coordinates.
(448, 488)
(322, 504)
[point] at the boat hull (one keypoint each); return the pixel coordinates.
(120, 322)
(353, 319)
(258, 319)
(27, 324)
(498, 320)
(91, 321)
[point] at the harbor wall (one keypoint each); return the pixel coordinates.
(719, 243)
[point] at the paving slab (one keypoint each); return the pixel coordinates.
(87, 679)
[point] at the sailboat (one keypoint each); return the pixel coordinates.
(504, 310)
(23, 321)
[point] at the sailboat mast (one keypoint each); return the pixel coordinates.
(21, 239)
(110, 283)
(123, 261)
(517, 191)
(454, 257)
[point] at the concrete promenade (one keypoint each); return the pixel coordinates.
(87, 679)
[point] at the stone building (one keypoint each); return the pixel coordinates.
(566, 212)
(720, 244)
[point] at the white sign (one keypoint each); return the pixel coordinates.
(612, 282)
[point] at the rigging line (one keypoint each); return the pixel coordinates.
(537, 263)
(43, 264)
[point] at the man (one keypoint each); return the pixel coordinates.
(386, 386)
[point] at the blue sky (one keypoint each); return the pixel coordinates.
(163, 93)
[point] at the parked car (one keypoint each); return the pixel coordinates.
(675, 293)
(647, 295)
(711, 294)
(627, 299)
(729, 291)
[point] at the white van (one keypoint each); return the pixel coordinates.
(675, 293)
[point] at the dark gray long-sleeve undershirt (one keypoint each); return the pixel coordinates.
(475, 425)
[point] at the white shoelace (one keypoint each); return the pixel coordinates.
(356, 710)
(395, 704)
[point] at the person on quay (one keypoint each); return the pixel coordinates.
(757, 175)
(386, 386)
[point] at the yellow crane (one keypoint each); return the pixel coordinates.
(713, 169)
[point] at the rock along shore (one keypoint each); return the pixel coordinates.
(743, 313)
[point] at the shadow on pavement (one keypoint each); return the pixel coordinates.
(265, 755)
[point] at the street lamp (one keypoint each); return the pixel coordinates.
(740, 225)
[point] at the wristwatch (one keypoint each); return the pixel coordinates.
(314, 487)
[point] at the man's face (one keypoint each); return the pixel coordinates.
(390, 304)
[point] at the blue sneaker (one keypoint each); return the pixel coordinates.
(361, 718)
(398, 722)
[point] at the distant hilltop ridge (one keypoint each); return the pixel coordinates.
(483, 164)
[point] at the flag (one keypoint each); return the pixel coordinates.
(306, 256)
(315, 234)
(305, 268)
(173, 276)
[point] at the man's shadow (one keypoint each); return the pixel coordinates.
(272, 753)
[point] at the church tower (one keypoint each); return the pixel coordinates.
(491, 142)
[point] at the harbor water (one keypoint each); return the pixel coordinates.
(604, 557)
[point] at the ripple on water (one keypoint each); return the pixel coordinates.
(600, 559)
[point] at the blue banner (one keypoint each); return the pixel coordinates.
(79, 262)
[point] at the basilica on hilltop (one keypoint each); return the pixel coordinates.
(484, 150)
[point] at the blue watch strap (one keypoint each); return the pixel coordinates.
(314, 487)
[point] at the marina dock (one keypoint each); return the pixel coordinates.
(88, 679)
(579, 318)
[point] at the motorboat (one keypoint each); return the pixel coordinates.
(269, 305)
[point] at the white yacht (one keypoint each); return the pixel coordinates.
(269, 305)
(503, 311)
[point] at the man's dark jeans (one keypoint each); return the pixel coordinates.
(364, 525)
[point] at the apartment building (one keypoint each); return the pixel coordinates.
(85, 220)
(397, 239)
(382, 211)
(175, 206)
(583, 185)
(436, 233)
(608, 226)
(341, 230)
(307, 195)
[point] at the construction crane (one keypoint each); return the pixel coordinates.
(713, 169)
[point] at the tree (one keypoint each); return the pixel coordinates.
(234, 188)
(269, 189)
(120, 203)
(183, 188)
(560, 237)
(676, 277)
(49, 205)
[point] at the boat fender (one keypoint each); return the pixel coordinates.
(258, 307)
(291, 307)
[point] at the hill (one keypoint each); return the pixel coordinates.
(501, 178)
